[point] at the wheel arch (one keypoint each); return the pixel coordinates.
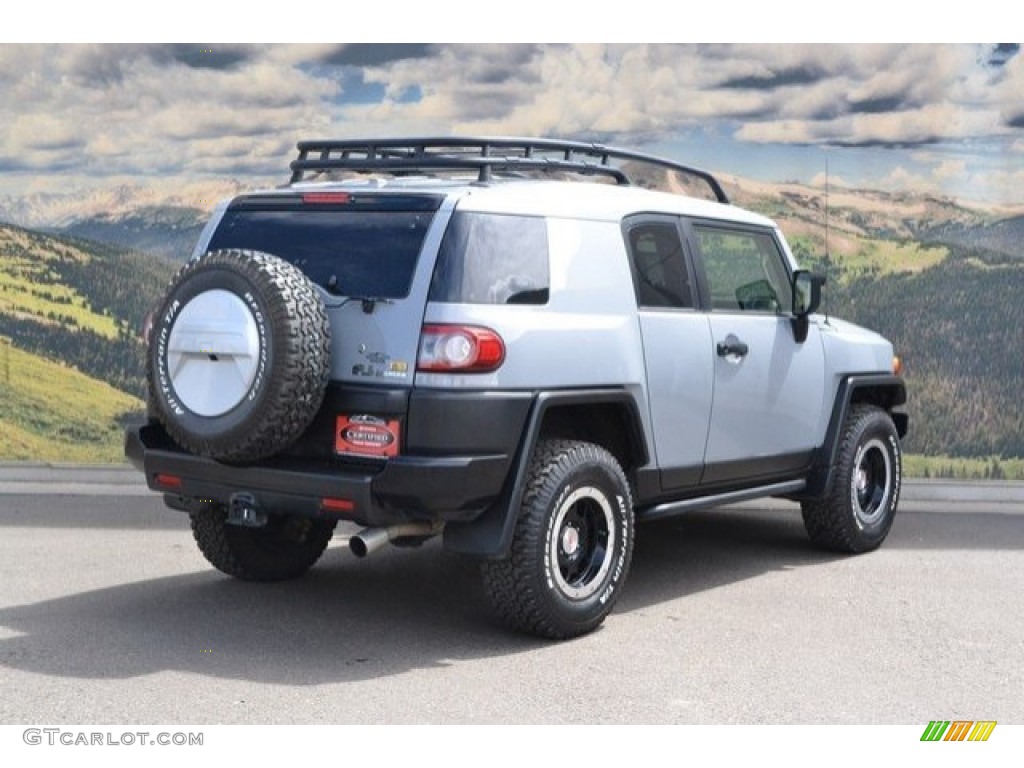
(886, 391)
(607, 417)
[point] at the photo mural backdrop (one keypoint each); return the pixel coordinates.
(895, 169)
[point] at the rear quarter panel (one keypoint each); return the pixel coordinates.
(585, 336)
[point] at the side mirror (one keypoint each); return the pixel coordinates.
(806, 299)
(806, 292)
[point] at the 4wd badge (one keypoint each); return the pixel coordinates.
(366, 435)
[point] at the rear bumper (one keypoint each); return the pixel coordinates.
(373, 493)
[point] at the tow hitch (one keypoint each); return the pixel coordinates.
(244, 511)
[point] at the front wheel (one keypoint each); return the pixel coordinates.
(572, 544)
(857, 511)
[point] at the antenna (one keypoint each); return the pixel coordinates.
(828, 257)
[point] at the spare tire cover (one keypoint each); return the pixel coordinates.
(239, 355)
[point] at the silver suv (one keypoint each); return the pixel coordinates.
(507, 343)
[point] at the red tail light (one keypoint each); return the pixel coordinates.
(460, 348)
(326, 198)
(329, 504)
(172, 482)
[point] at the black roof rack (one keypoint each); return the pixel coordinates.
(481, 154)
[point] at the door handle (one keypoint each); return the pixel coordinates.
(732, 347)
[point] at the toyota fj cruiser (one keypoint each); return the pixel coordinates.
(506, 343)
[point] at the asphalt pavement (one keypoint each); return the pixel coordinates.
(109, 614)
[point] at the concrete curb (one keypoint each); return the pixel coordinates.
(47, 478)
(998, 491)
(88, 474)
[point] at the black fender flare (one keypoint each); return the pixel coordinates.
(490, 534)
(887, 391)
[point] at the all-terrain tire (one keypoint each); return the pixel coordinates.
(572, 545)
(239, 356)
(858, 508)
(286, 547)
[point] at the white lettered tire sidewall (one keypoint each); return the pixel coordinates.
(878, 444)
(559, 580)
(168, 399)
(599, 587)
(859, 506)
(285, 381)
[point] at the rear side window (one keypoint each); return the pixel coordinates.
(363, 253)
(659, 267)
(492, 259)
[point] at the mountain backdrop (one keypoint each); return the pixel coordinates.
(71, 361)
(943, 280)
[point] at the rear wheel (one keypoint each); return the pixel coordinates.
(857, 511)
(284, 548)
(572, 545)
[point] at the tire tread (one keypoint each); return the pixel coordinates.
(226, 547)
(828, 520)
(296, 385)
(515, 591)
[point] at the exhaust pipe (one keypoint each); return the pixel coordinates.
(371, 539)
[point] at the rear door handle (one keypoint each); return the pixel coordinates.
(732, 347)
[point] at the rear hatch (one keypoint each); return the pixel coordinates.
(364, 250)
(372, 255)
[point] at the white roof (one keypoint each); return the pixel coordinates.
(541, 197)
(587, 200)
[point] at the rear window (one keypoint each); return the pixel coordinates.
(346, 249)
(492, 259)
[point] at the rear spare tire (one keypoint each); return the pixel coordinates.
(239, 355)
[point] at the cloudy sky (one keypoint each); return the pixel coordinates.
(942, 118)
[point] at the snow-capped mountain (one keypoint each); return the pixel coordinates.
(57, 210)
(160, 220)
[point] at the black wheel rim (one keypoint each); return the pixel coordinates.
(871, 486)
(583, 538)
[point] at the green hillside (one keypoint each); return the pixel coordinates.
(941, 280)
(32, 284)
(71, 362)
(78, 303)
(50, 412)
(957, 326)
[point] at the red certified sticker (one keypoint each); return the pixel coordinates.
(366, 435)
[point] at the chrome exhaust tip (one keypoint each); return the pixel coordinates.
(370, 540)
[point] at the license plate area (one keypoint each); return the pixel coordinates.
(366, 435)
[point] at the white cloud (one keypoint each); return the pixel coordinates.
(820, 180)
(846, 95)
(136, 110)
(901, 179)
(142, 109)
(44, 132)
(950, 170)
